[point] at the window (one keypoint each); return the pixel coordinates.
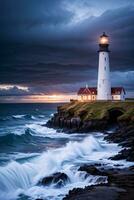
(105, 68)
(103, 81)
(105, 59)
(89, 97)
(84, 97)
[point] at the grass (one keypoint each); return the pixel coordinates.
(98, 110)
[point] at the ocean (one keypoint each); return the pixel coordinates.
(29, 151)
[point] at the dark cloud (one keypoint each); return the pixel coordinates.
(43, 46)
(46, 74)
(13, 91)
(23, 19)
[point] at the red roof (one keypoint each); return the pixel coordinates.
(93, 90)
(117, 90)
(87, 90)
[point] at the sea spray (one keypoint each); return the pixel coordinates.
(18, 116)
(24, 177)
(43, 131)
(17, 176)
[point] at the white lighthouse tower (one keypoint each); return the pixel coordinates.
(104, 83)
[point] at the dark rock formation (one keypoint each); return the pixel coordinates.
(99, 192)
(58, 178)
(75, 124)
(91, 169)
(119, 187)
(124, 135)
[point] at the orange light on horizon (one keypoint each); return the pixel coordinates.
(53, 98)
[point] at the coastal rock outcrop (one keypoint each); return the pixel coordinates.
(125, 137)
(91, 169)
(89, 116)
(98, 116)
(119, 187)
(57, 178)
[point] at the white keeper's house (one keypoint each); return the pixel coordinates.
(103, 91)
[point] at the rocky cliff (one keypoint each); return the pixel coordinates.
(87, 116)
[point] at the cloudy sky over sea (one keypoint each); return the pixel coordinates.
(49, 47)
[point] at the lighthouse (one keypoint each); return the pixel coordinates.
(104, 83)
(103, 91)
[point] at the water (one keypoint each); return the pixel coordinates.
(30, 151)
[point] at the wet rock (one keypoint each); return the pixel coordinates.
(98, 164)
(68, 123)
(93, 193)
(39, 199)
(75, 122)
(119, 187)
(58, 178)
(61, 123)
(124, 135)
(90, 125)
(124, 180)
(131, 168)
(91, 169)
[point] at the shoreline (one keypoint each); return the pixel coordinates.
(119, 187)
(120, 181)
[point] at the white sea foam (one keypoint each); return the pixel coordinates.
(24, 116)
(38, 129)
(17, 178)
(41, 116)
(18, 116)
(51, 115)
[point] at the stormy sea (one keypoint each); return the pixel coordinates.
(29, 151)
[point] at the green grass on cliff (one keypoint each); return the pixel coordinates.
(98, 110)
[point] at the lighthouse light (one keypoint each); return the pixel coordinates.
(104, 40)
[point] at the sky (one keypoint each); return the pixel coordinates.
(48, 48)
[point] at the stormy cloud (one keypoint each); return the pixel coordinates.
(52, 45)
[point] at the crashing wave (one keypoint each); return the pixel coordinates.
(43, 131)
(17, 178)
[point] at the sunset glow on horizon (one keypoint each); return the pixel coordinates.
(54, 98)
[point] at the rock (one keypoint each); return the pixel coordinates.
(131, 168)
(124, 135)
(89, 125)
(124, 180)
(91, 169)
(61, 122)
(120, 186)
(98, 164)
(93, 193)
(58, 178)
(39, 199)
(75, 122)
